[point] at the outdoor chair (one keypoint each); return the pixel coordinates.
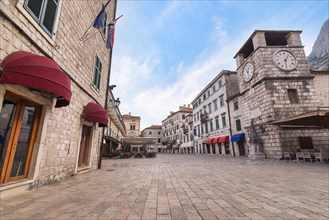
(322, 156)
(289, 155)
(307, 156)
(299, 155)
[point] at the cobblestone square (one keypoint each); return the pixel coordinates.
(176, 186)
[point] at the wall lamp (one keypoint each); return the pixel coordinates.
(117, 102)
(112, 86)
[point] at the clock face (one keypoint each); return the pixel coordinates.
(285, 60)
(248, 71)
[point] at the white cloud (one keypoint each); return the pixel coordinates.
(154, 101)
(144, 87)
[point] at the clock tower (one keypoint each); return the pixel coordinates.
(275, 83)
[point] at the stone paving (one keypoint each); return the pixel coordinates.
(182, 187)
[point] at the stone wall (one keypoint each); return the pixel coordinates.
(321, 82)
(265, 97)
(57, 145)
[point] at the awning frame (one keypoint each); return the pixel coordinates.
(313, 119)
(38, 73)
(95, 113)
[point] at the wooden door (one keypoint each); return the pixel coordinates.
(85, 144)
(19, 120)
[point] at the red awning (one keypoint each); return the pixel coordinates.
(36, 72)
(215, 140)
(209, 141)
(224, 139)
(94, 112)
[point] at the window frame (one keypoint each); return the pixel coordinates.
(293, 96)
(235, 105)
(217, 122)
(41, 18)
(238, 125)
(99, 75)
(221, 101)
(223, 120)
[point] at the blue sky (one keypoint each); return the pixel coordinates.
(166, 52)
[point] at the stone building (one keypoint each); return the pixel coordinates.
(187, 147)
(132, 124)
(52, 91)
(116, 130)
(154, 131)
(236, 121)
(173, 129)
(133, 139)
(278, 97)
(211, 115)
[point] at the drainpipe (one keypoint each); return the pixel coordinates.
(229, 122)
(107, 93)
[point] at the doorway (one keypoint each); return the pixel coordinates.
(241, 149)
(19, 120)
(85, 145)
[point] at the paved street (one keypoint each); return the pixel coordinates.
(182, 187)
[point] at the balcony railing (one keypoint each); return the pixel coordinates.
(204, 118)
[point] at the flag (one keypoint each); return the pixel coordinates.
(99, 21)
(110, 35)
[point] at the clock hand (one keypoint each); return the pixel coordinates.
(285, 60)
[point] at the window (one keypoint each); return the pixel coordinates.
(215, 105)
(209, 108)
(206, 127)
(150, 132)
(214, 88)
(217, 122)
(159, 132)
(132, 127)
(159, 140)
(220, 84)
(221, 101)
(43, 12)
(293, 97)
(238, 124)
(208, 93)
(97, 73)
(202, 129)
(211, 125)
(305, 142)
(18, 123)
(204, 96)
(223, 120)
(235, 105)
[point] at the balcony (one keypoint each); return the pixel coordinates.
(204, 118)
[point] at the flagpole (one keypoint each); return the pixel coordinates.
(84, 39)
(118, 17)
(85, 33)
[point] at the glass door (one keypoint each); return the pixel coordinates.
(19, 119)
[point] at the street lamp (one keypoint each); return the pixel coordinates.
(117, 102)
